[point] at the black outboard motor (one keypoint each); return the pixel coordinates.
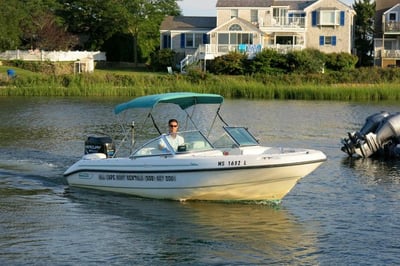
(96, 144)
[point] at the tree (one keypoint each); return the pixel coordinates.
(364, 31)
(33, 24)
(52, 36)
(94, 21)
(142, 20)
(11, 14)
(100, 20)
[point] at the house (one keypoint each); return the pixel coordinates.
(387, 33)
(252, 25)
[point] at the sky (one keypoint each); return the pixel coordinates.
(207, 7)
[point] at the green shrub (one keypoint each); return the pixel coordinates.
(268, 61)
(161, 59)
(232, 63)
(306, 61)
(341, 61)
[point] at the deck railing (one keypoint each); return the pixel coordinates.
(391, 27)
(210, 51)
(390, 53)
(284, 22)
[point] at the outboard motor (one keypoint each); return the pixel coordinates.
(379, 136)
(96, 144)
(354, 139)
(373, 122)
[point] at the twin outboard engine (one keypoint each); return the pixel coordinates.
(95, 144)
(380, 136)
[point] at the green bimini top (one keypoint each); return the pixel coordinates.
(183, 99)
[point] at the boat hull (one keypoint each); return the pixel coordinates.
(259, 179)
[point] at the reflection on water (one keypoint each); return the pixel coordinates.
(202, 231)
(375, 171)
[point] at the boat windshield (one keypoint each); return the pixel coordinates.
(236, 136)
(189, 141)
(241, 136)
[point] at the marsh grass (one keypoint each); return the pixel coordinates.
(364, 86)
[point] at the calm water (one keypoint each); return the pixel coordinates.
(347, 212)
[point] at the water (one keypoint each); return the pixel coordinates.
(346, 212)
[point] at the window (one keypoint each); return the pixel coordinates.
(392, 16)
(223, 38)
(235, 27)
(198, 39)
(284, 40)
(166, 41)
(254, 16)
(192, 40)
(245, 38)
(235, 38)
(280, 15)
(234, 13)
(327, 40)
(189, 40)
(328, 18)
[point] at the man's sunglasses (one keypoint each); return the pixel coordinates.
(173, 125)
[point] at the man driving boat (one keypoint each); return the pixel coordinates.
(173, 138)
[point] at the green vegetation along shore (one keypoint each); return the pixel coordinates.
(365, 84)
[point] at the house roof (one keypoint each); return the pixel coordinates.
(391, 9)
(293, 4)
(188, 23)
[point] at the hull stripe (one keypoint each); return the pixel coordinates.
(193, 170)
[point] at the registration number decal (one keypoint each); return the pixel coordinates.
(232, 163)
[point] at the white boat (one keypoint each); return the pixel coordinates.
(234, 167)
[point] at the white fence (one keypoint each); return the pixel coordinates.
(37, 55)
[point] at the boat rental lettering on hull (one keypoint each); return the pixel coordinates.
(229, 165)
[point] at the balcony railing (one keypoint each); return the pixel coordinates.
(390, 53)
(284, 22)
(220, 49)
(285, 48)
(391, 27)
